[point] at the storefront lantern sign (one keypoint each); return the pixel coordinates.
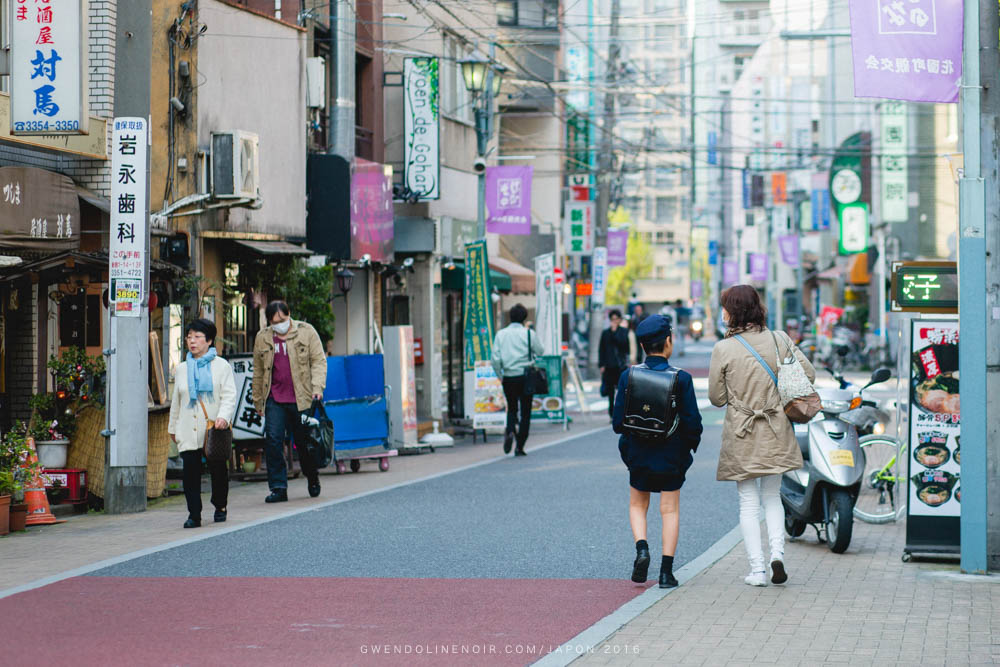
(48, 73)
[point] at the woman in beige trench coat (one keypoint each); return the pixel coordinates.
(758, 441)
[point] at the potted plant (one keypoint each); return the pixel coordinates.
(78, 383)
(16, 469)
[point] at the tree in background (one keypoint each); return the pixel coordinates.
(638, 265)
(308, 291)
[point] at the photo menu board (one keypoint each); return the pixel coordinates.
(934, 451)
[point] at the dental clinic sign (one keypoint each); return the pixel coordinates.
(48, 74)
(907, 49)
(421, 127)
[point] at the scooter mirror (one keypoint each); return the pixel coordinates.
(881, 375)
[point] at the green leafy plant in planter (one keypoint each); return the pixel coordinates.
(79, 382)
(16, 468)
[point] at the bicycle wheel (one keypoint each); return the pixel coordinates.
(881, 499)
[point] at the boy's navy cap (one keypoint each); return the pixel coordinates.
(653, 329)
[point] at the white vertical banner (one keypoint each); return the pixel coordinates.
(421, 120)
(600, 273)
(127, 261)
(48, 67)
(893, 164)
(547, 303)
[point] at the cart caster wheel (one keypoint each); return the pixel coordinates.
(432, 450)
(355, 465)
(907, 557)
(341, 468)
(383, 463)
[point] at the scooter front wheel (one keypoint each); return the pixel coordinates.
(841, 524)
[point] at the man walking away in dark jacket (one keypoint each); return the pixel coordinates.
(612, 356)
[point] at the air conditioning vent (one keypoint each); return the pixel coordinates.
(235, 164)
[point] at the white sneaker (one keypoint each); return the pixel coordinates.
(756, 579)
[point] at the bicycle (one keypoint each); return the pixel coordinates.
(881, 498)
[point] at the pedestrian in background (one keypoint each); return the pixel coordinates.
(639, 314)
(612, 356)
(658, 465)
(289, 373)
(513, 348)
(204, 391)
(758, 441)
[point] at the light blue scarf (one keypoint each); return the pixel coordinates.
(200, 376)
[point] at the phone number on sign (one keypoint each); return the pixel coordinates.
(46, 126)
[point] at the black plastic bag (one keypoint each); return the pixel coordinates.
(319, 435)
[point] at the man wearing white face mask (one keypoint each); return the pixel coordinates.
(289, 373)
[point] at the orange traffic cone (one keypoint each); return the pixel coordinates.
(39, 513)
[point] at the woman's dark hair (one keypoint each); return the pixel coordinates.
(518, 313)
(273, 308)
(201, 325)
(745, 309)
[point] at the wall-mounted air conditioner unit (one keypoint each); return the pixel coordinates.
(235, 164)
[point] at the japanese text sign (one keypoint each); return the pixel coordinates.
(127, 263)
(600, 273)
(38, 209)
(48, 74)
(508, 199)
(907, 49)
(578, 228)
(779, 188)
(853, 228)
(759, 265)
(617, 247)
(894, 167)
(421, 121)
(730, 272)
(789, 247)
(478, 305)
(371, 210)
(248, 423)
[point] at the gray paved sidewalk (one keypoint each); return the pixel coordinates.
(47, 551)
(862, 607)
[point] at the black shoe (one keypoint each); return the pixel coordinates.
(220, 515)
(192, 523)
(640, 568)
(277, 496)
(778, 574)
(520, 452)
(508, 440)
(314, 490)
(667, 580)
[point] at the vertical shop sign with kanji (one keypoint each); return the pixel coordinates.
(578, 228)
(478, 305)
(895, 203)
(127, 260)
(48, 70)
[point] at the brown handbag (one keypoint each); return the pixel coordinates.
(218, 445)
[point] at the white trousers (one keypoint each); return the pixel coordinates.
(753, 494)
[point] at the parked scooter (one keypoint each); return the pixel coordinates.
(822, 493)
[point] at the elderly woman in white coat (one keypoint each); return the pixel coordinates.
(204, 390)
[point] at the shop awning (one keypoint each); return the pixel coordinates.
(454, 279)
(522, 280)
(275, 248)
(93, 199)
(857, 269)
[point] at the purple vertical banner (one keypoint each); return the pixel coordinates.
(789, 246)
(758, 266)
(730, 272)
(696, 290)
(371, 210)
(508, 199)
(907, 50)
(617, 247)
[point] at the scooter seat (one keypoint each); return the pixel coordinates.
(803, 438)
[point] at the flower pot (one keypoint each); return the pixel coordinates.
(249, 467)
(52, 453)
(18, 515)
(4, 515)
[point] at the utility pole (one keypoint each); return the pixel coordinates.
(128, 351)
(979, 289)
(606, 164)
(343, 27)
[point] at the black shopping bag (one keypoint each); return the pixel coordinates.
(319, 435)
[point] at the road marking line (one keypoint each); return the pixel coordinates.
(86, 569)
(596, 634)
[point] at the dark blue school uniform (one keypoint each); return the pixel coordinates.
(660, 466)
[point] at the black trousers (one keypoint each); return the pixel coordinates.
(518, 409)
(192, 482)
(610, 381)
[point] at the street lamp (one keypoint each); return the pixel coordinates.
(482, 77)
(345, 280)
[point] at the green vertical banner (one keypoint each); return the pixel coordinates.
(478, 306)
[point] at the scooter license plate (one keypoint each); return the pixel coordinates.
(842, 457)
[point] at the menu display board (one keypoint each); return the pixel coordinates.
(490, 409)
(551, 405)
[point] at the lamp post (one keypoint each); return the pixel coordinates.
(482, 78)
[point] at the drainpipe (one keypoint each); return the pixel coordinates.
(342, 40)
